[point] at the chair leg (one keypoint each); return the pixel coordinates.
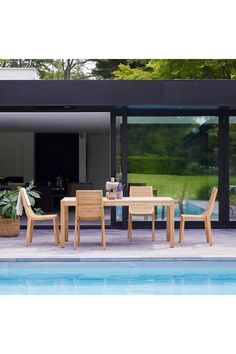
(206, 230)
(76, 236)
(56, 230)
(28, 237)
(31, 230)
(129, 227)
(153, 227)
(181, 230)
(103, 234)
(207, 222)
(78, 232)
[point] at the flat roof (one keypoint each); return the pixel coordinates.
(67, 94)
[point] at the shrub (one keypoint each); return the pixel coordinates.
(156, 165)
(203, 193)
(194, 168)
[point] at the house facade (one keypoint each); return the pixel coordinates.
(176, 135)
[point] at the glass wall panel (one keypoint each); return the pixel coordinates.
(232, 168)
(118, 175)
(178, 156)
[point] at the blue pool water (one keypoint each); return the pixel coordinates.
(118, 278)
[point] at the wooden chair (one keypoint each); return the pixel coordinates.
(206, 217)
(89, 206)
(32, 217)
(141, 191)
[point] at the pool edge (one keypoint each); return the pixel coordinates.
(114, 259)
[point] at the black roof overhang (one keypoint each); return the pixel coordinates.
(105, 95)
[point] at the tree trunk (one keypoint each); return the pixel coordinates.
(67, 73)
(67, 66)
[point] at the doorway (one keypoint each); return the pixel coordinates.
(56, 154)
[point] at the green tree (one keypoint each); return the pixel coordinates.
(105, 68)
(179, 69)
(73, 68)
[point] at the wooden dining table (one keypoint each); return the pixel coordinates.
(67, 202)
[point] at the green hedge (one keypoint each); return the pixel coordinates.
(156, 165)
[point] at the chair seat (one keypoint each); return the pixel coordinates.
(194, 217)
(44, 217)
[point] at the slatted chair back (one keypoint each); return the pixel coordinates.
(89, 205)
(141, 191)
(211, 201)
(28, 210)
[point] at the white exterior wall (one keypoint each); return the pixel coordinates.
(18, 74)
(98, 159)
(17, 155)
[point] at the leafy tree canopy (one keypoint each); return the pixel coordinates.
(128, 69)
(105, 68)
(179, 69)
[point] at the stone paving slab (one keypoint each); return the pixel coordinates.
(119, 247)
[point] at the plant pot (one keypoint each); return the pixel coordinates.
(9, 227)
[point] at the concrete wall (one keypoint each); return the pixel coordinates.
(17, 155)
(98, 159)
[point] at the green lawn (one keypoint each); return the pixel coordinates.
(171, 185)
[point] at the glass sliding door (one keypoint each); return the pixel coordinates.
(178, 156)
(118, 213)
(118, 148)
(232, 168)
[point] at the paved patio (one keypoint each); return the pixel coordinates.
(119, 247)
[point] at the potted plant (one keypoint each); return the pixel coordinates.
(9, 220)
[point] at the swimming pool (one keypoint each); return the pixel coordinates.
(118, 278)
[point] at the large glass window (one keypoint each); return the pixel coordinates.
(118, 148)
(232, 168)
(178, 156)
(119, 172)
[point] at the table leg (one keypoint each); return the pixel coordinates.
(172, 224)
(168, 223)
(64, 224)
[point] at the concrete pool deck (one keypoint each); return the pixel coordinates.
(119, 247)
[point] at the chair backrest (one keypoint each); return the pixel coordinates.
(135, 184)
(211, 201)
(140, 191)
(89, 204)
(28, 210)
